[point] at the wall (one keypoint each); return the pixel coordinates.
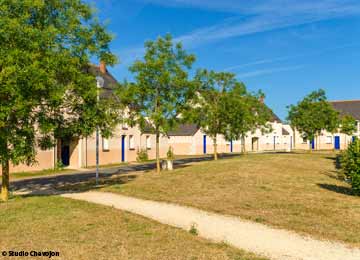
(114, 154)
(326, 141)
(45, 160)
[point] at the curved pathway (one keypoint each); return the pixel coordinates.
(260, 239)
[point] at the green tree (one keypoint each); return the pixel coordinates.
(161, 89)
(348, 125)
(245, 113)
(350, 164)
(45, 90)
(312, 115)
(210, 101)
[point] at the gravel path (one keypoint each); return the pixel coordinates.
(253, 237)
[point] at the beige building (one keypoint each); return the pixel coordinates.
(79, 153)
(188, 139)
(337, 140)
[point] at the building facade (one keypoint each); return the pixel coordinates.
(337, 140)
(187, 139)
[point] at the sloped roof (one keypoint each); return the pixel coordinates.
(148, 129)
(274, 117)
(184, 130)
(285, 132)
(347, 107)
(110, 82)
(191, 129)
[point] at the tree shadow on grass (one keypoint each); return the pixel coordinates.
(81, 186)
(336, 161)
(336, 188)
(336, 175)
(49, 185)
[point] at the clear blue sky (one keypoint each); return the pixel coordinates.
(287, 48)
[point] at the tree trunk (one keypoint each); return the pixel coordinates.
(243, 147)
(5, 181)
(215, 148)
(158, 153)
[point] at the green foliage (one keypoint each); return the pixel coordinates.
(170, 154)
(59, 165)
(313, 114)
(193, 230)
(161, 88)
(46, 92)
(210, 100)
(245, 113)
(224, 106)
(350, 164)
(142, 155)
(348, 125)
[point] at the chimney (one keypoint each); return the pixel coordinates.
(262, 99)
(102, 67)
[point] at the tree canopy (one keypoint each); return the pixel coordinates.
(348, 125)
(161, 89)
(313, 114)
(245, 113)
(209, 102)
(46, 91)
(223, 106)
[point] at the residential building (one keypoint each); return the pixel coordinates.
(122, 146)
(189, 139)
(337, 140)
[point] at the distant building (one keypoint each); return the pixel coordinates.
(189, 139)
(337, 141)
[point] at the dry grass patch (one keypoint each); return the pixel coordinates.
(293, 191)
(80, 230)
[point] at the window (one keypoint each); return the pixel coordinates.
(304, 140)
(131, 142)
(278, 139)
(105, 144)
(148, 142)
(329, 139)
(125, 126)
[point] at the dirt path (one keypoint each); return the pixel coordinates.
(260, 239)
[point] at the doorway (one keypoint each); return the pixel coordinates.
(204, 144)
(312, 143)
(65, 152)
(337, 143)
(123, 148)
(255, 144)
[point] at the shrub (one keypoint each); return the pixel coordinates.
(350, 164)
(193, 230)
(170, 154)
(142, 155)
(59, 165)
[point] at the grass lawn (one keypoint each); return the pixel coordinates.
(298, 192)
(80, 230)
(48, 172)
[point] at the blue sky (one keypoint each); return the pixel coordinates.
(287, 48)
